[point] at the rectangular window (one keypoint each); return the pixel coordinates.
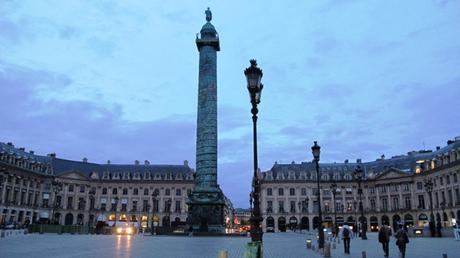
(455, 177)
(70, 188)
(269, 192)
(384, 204)
(178, 209)
(114, 191)
(178, 192)
(419, 185)
(134, 205)
(125, 191)
(124, 207)
(269, 206)
(395, 203)
(304, 191)
(135, 191)
(69, 203)
(280, 191)
(406, 187)
(450, 198)
(291, 191)
(145, 204)
(104, 190)
(82, 188)
(407, 202)
(280, 206)
(421, 202)
(441, 182)
(448, 179)
(373, 204)
(371, 190)
(167, 192)
(292, 206)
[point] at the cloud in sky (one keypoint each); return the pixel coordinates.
(118, 80)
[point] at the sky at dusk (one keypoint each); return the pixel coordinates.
(118, 80)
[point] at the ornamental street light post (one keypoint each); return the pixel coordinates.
(116, 207)
(315, 149)
(359, 175)
(253, 76)
(57, 188)
(334, 192)
(428, 184)
(154, 200)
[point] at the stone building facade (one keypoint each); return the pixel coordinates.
(50, 189)
(393, 191)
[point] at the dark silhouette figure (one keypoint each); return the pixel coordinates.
(384, 238)
(438, 228)
(402, 240)
(346, 232)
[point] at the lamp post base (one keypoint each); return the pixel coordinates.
(254, 250)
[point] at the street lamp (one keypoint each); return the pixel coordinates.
(154, 199)
(334, 192)
(315, 149)
(57, 187)
(253, 76)
(359, 175)
(116, 207)
(428, 184)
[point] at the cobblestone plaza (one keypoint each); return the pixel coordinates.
(276, 245)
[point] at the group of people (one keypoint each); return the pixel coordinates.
(385, 234)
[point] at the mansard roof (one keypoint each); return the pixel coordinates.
(404, 164)
(63, 166)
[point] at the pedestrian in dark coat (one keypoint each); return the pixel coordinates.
(346, 233)
(384, 238)
(402, 240)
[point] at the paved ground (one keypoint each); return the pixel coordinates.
(279, 245)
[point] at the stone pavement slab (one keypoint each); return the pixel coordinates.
(276, 245)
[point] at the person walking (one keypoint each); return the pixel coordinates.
(384, 238)
(402, 240)
(346, 232)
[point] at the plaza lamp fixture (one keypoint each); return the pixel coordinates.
(334, 192)
(359, 176)
(116, 207)
(428, 184)
(154, 200)
(315, 149)
(253, 76)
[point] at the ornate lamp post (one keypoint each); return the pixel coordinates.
(253, 76)
(334, 192)
(116, 207)
(154, 200)
(359, 175)
(57, 188)
(428, 184)
(315, 149)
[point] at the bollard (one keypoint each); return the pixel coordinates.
(333, 246)
(364, 254)
(327, 250)
(444, 255)
(308, 243)
(223, 254)
(313, 247)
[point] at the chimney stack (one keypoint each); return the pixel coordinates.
(31, 152)
(136, 162)
(346, 161)
(85, 160)
(108, 162)
(358, 161)
(146, 162)
(52, 155)
(186, 163)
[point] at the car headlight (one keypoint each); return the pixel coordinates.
(129, 230)
(119, 230)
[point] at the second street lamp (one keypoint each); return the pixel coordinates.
(334, 226)
(428, 184)
(253, 76)
(315, 149)
(359, 175)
